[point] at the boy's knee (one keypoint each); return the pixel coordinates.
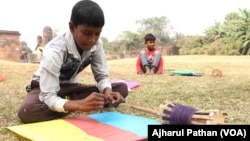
(122, 88)
(26, 113)
(23, 115)
(125, 91)
(157, 52)
(29, 113)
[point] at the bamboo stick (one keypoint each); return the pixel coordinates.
(151, 111)
(203, 117)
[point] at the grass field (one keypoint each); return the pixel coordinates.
(230, 93)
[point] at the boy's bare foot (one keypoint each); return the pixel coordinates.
(147, 70)
(152, 71)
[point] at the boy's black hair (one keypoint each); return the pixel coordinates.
(87, 12)
(149, 37)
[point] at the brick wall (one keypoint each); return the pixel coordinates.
(9, 45)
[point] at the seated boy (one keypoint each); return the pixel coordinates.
(149, 60)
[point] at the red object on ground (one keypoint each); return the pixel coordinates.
(1, 78)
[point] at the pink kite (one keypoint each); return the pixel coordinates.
(130, 84)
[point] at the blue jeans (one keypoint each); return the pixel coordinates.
(145, 62)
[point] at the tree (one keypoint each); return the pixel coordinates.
(132, 40)
(214, 32)
(159, 26)
(233, 32)
(245, 31)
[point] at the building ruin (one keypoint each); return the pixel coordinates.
(9, 45)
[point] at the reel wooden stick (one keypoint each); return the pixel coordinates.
(199, 117)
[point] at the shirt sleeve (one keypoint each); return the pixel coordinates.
(160, 66)
(138, 64)
(100, 68)
(49, 79)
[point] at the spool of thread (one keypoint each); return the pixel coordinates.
(175, 113)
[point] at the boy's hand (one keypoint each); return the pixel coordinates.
(95, 101)
(113, 98)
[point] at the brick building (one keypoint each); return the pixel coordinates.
(9, 45)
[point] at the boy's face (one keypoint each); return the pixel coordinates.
(150, 44)
(85, 35)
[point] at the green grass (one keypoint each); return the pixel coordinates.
(230, 93)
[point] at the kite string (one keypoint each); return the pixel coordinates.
(181, 114)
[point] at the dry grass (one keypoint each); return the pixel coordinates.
(229, 92)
